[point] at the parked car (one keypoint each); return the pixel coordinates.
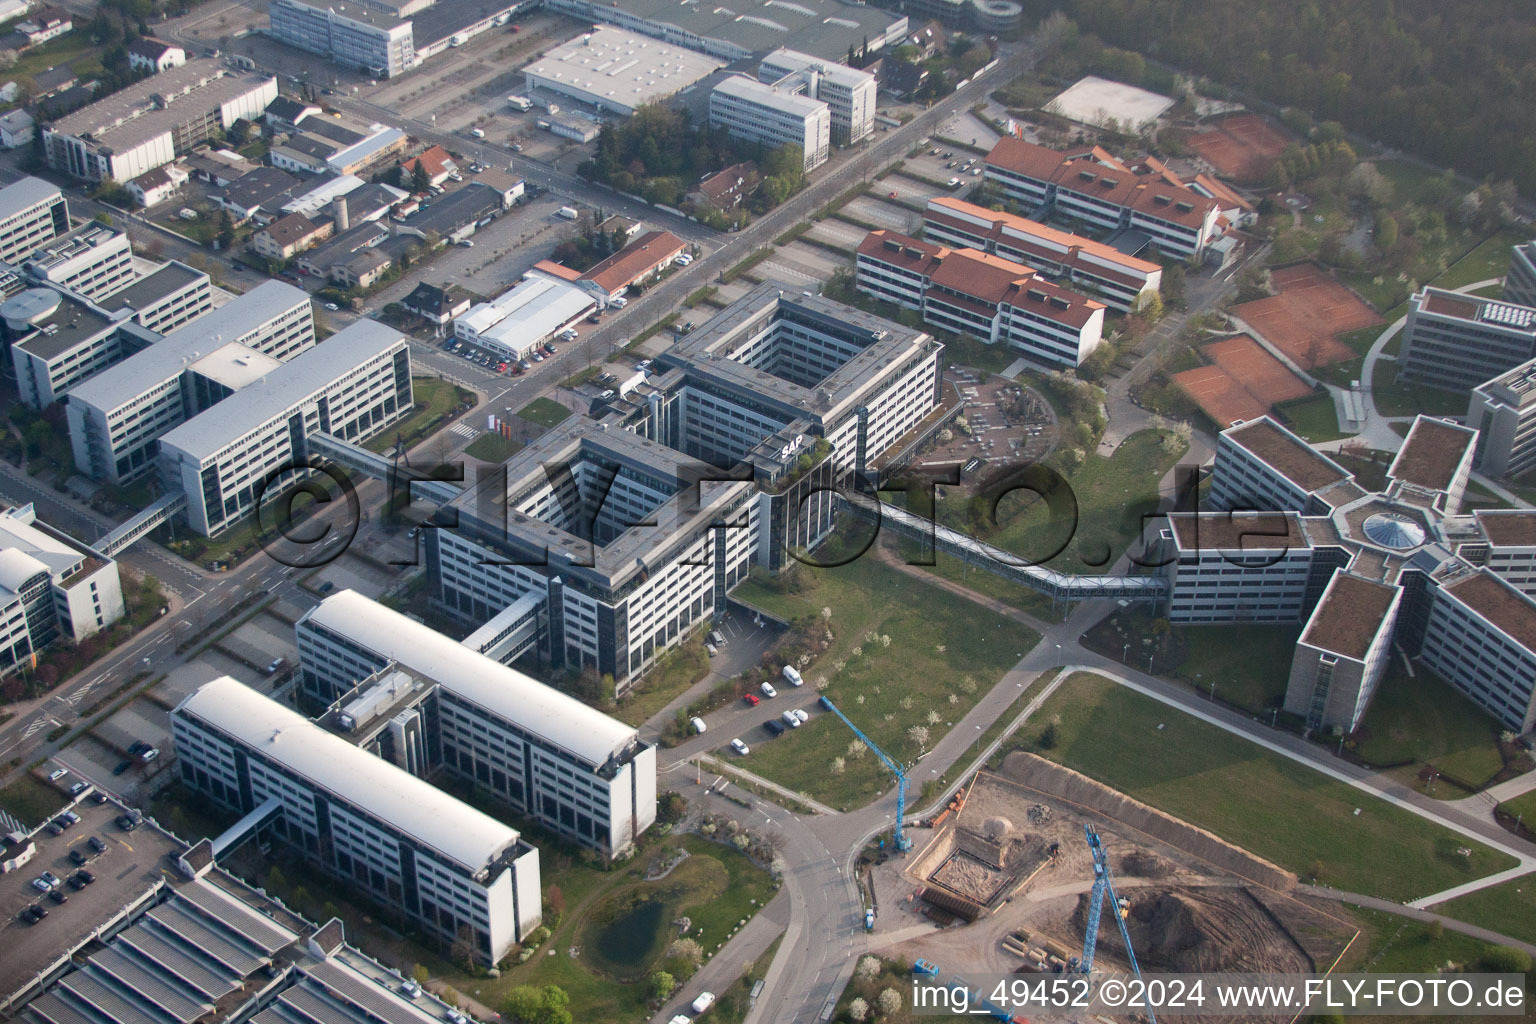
(768, 690)
(57, 774)
(76, 882)
(98, 797)
(751, 699)
(55, 829)
(698, 725)
(802, 714)
(704, 1002)
(711, 649)
(740, 747)
(274, 665)
(477, 133)
(58, 897)
(77, 789)
(77, 858)
(96, 845)
(409, 985)
(791, 719)
(792, 676)
(332, 306)
(953, 182)
(774, 727)
(85, 876)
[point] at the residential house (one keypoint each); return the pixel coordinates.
(15, 129)
(285, 114)
(45, 23)
(154, 55)
(725, 190)
(437, 305)
(284, 237)
(435, 161)
(154, 187)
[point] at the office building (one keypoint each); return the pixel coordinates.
(535, 310)
(1520, 279)
(565, 765)
(1457, 341)
(616, 71)
(850, 94)
(614, 541)
(1099, 271)
(1343, 652)
(969, 292)
(349, 387)
(59, 340)
(823, 28)
(1366, 572)
(32, 212)
(1090, 186)
(1503, 412)
(93, 260)
(117, 417)
(456, 873)
(772, 116)
(153, 121)
(1261, 465)
(167, 298)
(52, 588)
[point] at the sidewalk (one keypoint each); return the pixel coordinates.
(789, 794)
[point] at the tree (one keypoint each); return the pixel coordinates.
(1386, 233)
(421, 974)
(226, 230)
(888, 1002)
(554, 899)
(858, 1010)
(918, 734)
(1504, 960)
(662, 985)
(421, 181)
(868, 968)
(529, 1004)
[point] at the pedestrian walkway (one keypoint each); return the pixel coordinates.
(758, 780)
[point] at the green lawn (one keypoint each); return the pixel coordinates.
(543, 411)
(434, 398)
(1509, 908)
(31, 800)
(1423, 719)
(1268, 804)
(73, 48)
(492, 447)
(1523, 807)
(679, 669)
(948, 567)
(933, 787)
(943, 653)
(1393, 399)
(1389, 944)
(1112, 494)
(1315, 417)
(1489, 259)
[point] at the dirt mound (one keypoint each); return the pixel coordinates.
(1143, 864)
(1215, 929)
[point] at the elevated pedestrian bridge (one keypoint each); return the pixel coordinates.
(1058, 586)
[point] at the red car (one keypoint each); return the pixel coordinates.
(751, 699)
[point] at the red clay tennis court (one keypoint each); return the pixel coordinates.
(1241, 147)
(1303, 321)
(1244, 382)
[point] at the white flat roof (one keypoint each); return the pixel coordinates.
(287, 386)
(535, 307)
(25, 194)
(393, 795)
(753, 91)
(236, 365)
(610, 65)
(1091, 99)
(561, 719)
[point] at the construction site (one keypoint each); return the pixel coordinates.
(1001, 881)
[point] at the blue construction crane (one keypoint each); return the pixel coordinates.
(1102, 884)
(902, 842)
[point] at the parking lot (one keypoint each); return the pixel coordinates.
(128, 866)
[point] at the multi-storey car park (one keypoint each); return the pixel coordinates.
(117, 416)
(431, 704)
(1292, 536)
(153, 121)
(967, 291)
(52, 588)
(458, 874)
(228, 458)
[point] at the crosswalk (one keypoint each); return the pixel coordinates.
(464, 430)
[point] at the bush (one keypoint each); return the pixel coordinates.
(1504, 960)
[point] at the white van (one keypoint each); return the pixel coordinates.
(477, 133)
(704, 1002)
(698, 725)
(792, 676)
(791, 719)
(618, 303)
(568, 212)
